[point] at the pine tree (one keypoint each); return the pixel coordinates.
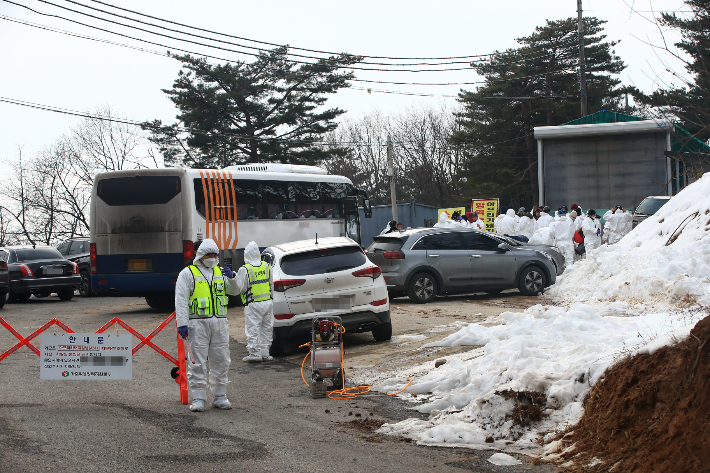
(236, 113)
(536, 84)
(688, 104)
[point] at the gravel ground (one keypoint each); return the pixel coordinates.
(275, 426)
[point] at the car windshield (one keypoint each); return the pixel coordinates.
(323, 261)
(37, 254)
(650, 206)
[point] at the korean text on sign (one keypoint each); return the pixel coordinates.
(86, 356)
(487, 210)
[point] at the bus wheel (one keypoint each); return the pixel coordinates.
(160, 302)
(234, 301)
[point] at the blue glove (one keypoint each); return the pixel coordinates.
(183, 331)
(228, 272)
(599, 231)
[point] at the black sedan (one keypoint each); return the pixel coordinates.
(4, 279)
(40, 270)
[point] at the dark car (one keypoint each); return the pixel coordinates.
(77, 251)
(427, 262)
(40, 270)
(4, 278)
(648, 207)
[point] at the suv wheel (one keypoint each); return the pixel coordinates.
(422, 288)
(66, 294)
(383, 332)
(3, 298)
(532, 281)
(85, 285)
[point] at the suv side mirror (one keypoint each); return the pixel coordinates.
(367, 208)
(504, 247)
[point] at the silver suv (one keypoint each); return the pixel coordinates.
(426, 262)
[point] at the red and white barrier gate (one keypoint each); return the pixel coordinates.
(180, 376)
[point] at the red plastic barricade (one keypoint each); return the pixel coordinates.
(179, 374)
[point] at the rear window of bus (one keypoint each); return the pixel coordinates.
(323, 261)
(138, 190)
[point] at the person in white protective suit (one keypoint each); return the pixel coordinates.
(256, 283)
(444, 221)
(508, 223)
(496, 222)
(201, 316)
(543, 236)
(618, 224)
(592, 231)
(389, 228)
(526, 224)
(563, 230)
(545, 218)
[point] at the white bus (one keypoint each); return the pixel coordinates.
(144, 222)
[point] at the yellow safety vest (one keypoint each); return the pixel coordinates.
(259, 289)
(208, 300)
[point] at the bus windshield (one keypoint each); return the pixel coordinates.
(270, 199)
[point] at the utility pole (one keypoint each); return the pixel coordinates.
(582, 66)
(390, 173)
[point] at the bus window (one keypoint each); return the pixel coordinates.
(271, 199)
(138, 190)
(222, 205)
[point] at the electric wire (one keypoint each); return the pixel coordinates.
(233, 61)
(290, 54)
(329, 143)
(197, 43)
(294, 47)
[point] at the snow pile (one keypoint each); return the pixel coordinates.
(501, 459)
(556, 352)
(665, 259)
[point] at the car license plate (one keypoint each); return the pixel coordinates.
(53, 270)
(328, 304)
(140, 265)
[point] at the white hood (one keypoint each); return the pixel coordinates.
(510, 213)
(252, 255)
(443, 218)
(207, 246)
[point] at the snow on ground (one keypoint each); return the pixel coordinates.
(664, 258)
(561, 351)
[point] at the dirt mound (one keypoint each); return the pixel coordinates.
(651, 413)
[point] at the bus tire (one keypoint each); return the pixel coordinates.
(153, 302)
(234, 301)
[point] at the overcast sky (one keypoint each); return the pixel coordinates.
(55, 69)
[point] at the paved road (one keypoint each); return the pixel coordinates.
(139, 425)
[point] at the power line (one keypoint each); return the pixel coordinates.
(231, 60)
(197, 43)
(273, 44)
(332, 143)
(293, 47)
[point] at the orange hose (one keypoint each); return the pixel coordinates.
(348, 393)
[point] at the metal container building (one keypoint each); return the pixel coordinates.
(609, 158)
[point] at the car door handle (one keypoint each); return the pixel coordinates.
(475, 256)
(434, 256)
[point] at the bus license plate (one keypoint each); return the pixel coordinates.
(140, 265)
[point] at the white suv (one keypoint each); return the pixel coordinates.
(329, 277)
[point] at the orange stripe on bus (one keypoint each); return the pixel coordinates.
(227, 207)
(235, 239)
(207, 213)
(211, 202)
(220, 203)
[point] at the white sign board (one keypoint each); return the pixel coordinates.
(82, 356)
